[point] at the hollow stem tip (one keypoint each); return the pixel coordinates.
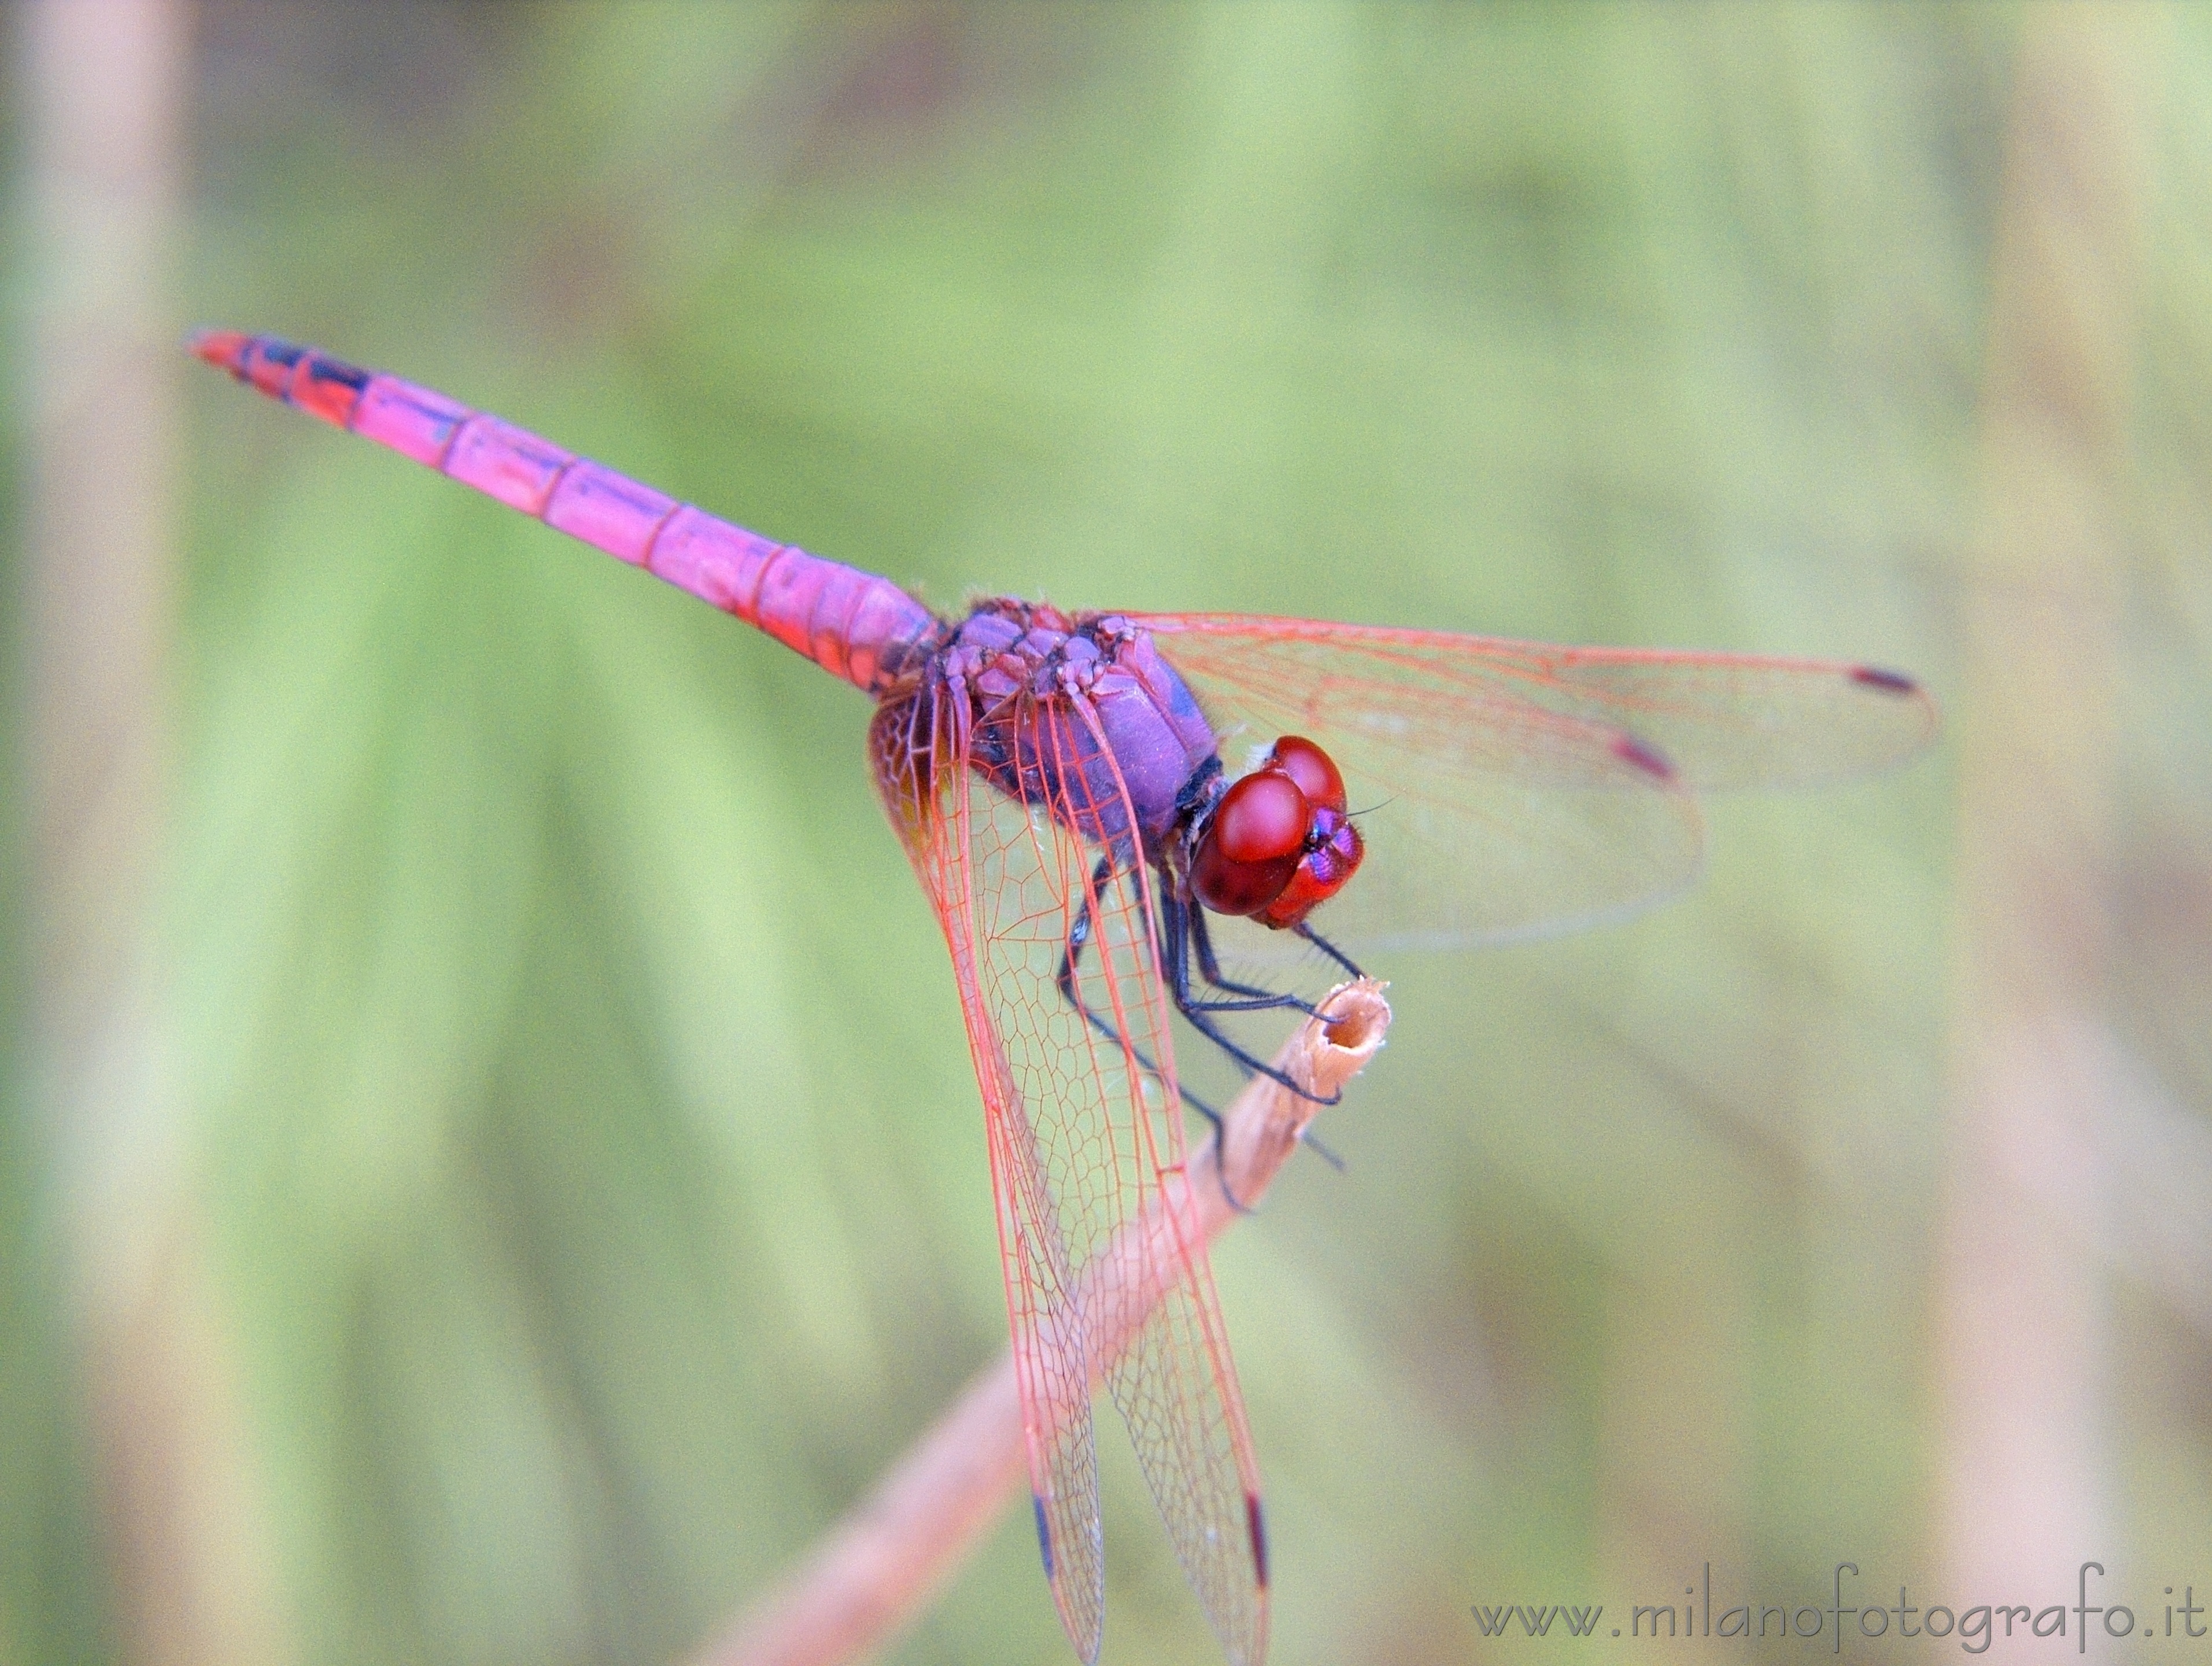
(1264, 1124)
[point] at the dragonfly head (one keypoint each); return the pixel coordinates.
(1278, 843)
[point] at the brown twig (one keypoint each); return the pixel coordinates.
(875, 1570)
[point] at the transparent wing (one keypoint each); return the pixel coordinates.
(1105, 1263)
(1513, 788)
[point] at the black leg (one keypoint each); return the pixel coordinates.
(1175, 932)
(1176, 971)
(1178, 928)
(1327, 948)
(1212, 971)
(1322, 1151)
(1078, 934)
(1209, 967)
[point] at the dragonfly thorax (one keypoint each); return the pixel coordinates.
(1080, 715)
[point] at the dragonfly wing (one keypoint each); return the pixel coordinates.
(1514, 788)
(1107, 1276)
(916, 757)
(1112, 1148)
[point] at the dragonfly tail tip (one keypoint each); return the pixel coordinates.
(223, 348)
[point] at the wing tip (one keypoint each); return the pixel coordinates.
(1911, 694)
(1044, 1535)
(1880, 677)
(1082, 1621)
(1642, 755)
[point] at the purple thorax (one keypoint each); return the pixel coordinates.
(1046, 689)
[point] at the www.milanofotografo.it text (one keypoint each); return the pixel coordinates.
(1849, 1612)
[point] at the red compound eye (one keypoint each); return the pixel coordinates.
(1251, 849)
(1313, 769)
(1332, 856)
(1262, 816)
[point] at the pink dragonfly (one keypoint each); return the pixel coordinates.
(1059, 784)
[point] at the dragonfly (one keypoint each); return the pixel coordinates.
(1095, 801)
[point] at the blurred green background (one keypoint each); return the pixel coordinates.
(532, 1180)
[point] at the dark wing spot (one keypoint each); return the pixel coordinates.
(1889, 682)
(1629, 750)
(1044, 1535)
(1259, 1528)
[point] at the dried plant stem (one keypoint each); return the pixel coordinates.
(875, 1570)
(2024, 1303)
(190, 1571)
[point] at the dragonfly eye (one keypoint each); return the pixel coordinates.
(1251, 849)
(1332, 855)
(1313, 769)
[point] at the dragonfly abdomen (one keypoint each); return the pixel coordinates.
(863, 628)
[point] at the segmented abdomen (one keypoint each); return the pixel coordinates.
(865, 629)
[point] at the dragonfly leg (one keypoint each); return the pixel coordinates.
(1178, 971)
(1176, 933)
(1209, 967)
(1327, 948)
(1078, 934)
(1173, 962)
(1220, 1145)
(1322, 1152)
